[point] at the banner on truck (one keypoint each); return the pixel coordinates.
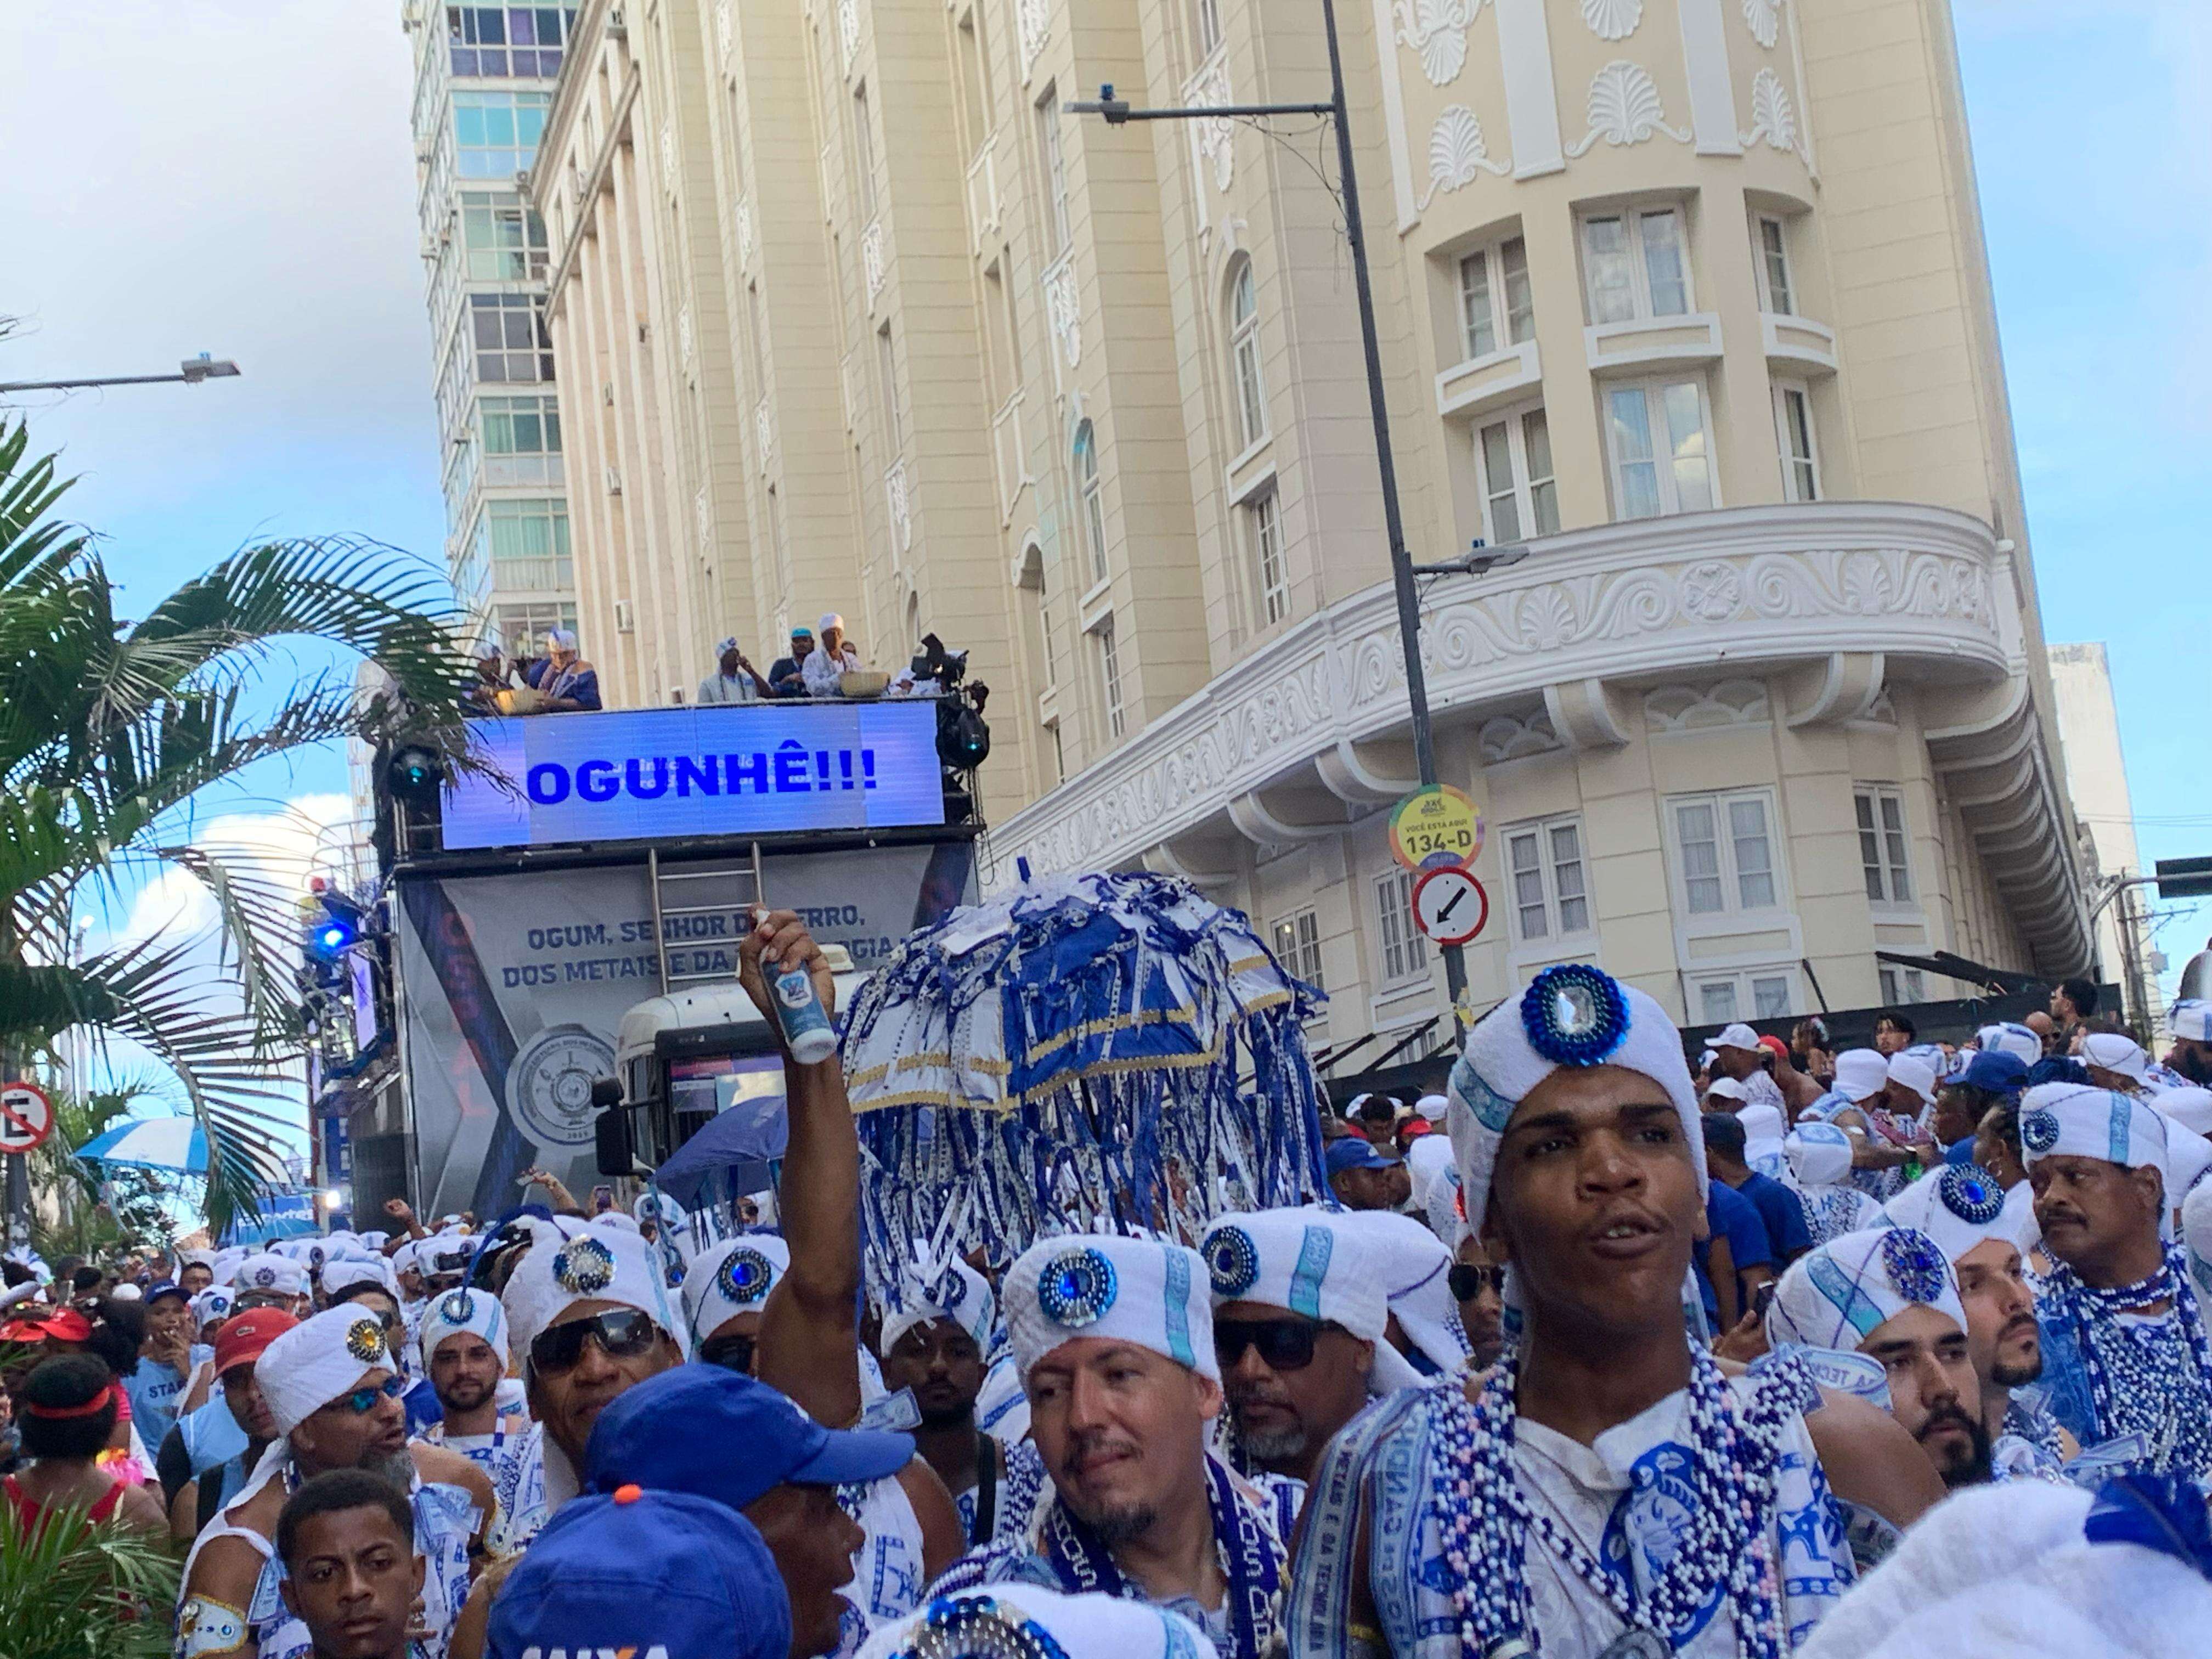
(664, 775)
(514, 986)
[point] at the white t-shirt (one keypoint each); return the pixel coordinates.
(718, 688)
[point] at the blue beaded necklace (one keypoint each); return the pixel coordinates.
(2128, 1392)
(1485, 1520)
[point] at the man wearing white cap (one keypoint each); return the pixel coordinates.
(733, 681)
(1961, 1207)
(1299, 1314)
(1737, 1055)
(1889, 1294)
(1115, 1340)
(2126, 1365)
(2191, 1057)
(935, 1344)
(333, 1393)
(1606, 1479)
(831, 659)
(2114, 1060)
(1883, 1142)
(465, 1353)
(270, 1280)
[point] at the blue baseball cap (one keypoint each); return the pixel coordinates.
(166, 1287)
(718, 1433)
(1355, 1152)
(1990, 1069)
(638, 1572)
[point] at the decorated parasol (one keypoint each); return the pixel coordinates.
(1098, 1052)
(167, 1145)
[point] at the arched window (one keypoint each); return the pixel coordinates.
(1092, 495)
(1244, 355)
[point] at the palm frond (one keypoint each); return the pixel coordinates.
(75, 1589)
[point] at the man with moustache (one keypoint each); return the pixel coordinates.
(465, 1351)
(1962, 1208)
(1115, 1348)
(332, 1389)
(1606, 1489)
(2126, 1363)
(1889, 1294)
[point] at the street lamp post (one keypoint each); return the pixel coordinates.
(1402, 560)
(190, 372)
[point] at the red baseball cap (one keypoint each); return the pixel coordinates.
(1775, 1046)
(1415, 1127)
(239, 1340)
(57, 1324)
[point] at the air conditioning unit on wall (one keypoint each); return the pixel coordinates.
(625, 619)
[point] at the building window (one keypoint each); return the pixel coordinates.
(1551, 893)
(495, 134)
(1520, 497)
(521, 426)
(1054, 160)
(1800, 461)
(1093, 494)
(1209, 27)
(508, 332)
(1884, 851)
(1774, 266)
(1635, 266)
(1109, 678)
(1244, 355)
(887, 389)
(864, 154)
(1901, 985)
(1724, 851)
(505, 240)
(1297, 939)
(506, 42)
(526, 542)
(1405, 955)
(1661, 447)
(1495, 303)
(1263, 521)
(523, 627)
(1756, 994)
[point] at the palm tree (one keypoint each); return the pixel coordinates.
(108, 729)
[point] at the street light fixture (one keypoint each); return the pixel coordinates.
(190, 372)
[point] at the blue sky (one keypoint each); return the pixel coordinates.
(237, 176)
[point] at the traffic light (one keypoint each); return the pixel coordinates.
(2184, 878)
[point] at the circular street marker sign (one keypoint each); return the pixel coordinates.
(1450, 905)
(1434, 827)
(27, 1117)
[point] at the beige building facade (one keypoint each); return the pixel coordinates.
(1687, 294)
(2097, 775)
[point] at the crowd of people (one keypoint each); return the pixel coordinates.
(1614, 1348)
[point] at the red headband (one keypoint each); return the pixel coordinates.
(91, 1407)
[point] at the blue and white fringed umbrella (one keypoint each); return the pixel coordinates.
(167, 1145)
(1109, 1054)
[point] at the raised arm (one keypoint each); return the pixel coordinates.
(809, 1336)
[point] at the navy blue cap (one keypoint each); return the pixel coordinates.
(1355, 1152)
(718, 1433)
(636, 1571)
(1990, 1070)
(168, 1287)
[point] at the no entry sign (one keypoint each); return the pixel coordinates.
(26, 1117)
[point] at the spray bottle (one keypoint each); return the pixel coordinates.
(807, 1031)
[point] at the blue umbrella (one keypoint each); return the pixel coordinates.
(744, 1140)
(173, 1146)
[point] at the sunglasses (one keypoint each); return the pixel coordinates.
(252, 1299)
(620, 1333)
(1285, 1345)
(361, 1401)
(731, 1354)
(1469, 1279)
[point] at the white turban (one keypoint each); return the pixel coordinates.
(1957, 1205)
(1443, 1206)
(560, 639)
(734, 1277)
(196, 1259)
(318, 1360)
(2196, 1237)
(615, 1221)
(1415, 1266)
(2188, 1155)
(1860, 1073)
(1304, 1261)
(2113, 1051)
(2192, 1107)
(572, 1261)
(1915, 1073)
(2191, 1019)
(1841, 1292)
(1819, 1153)
(346, 1274)
(464, 1313)
(269, 1272)
(1077, 1626)
(830, 619)
(956, 1292)
(1427, 1159)
(2073, 1119)
(1585, 1018)
(1145, 1291)
(226, 1263)
(2008, 1038)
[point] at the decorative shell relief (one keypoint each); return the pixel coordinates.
(1436, 31)
(1612, 20)
(1624, 108)
(1458, 153)
(1764, 18)
(1773, 117)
